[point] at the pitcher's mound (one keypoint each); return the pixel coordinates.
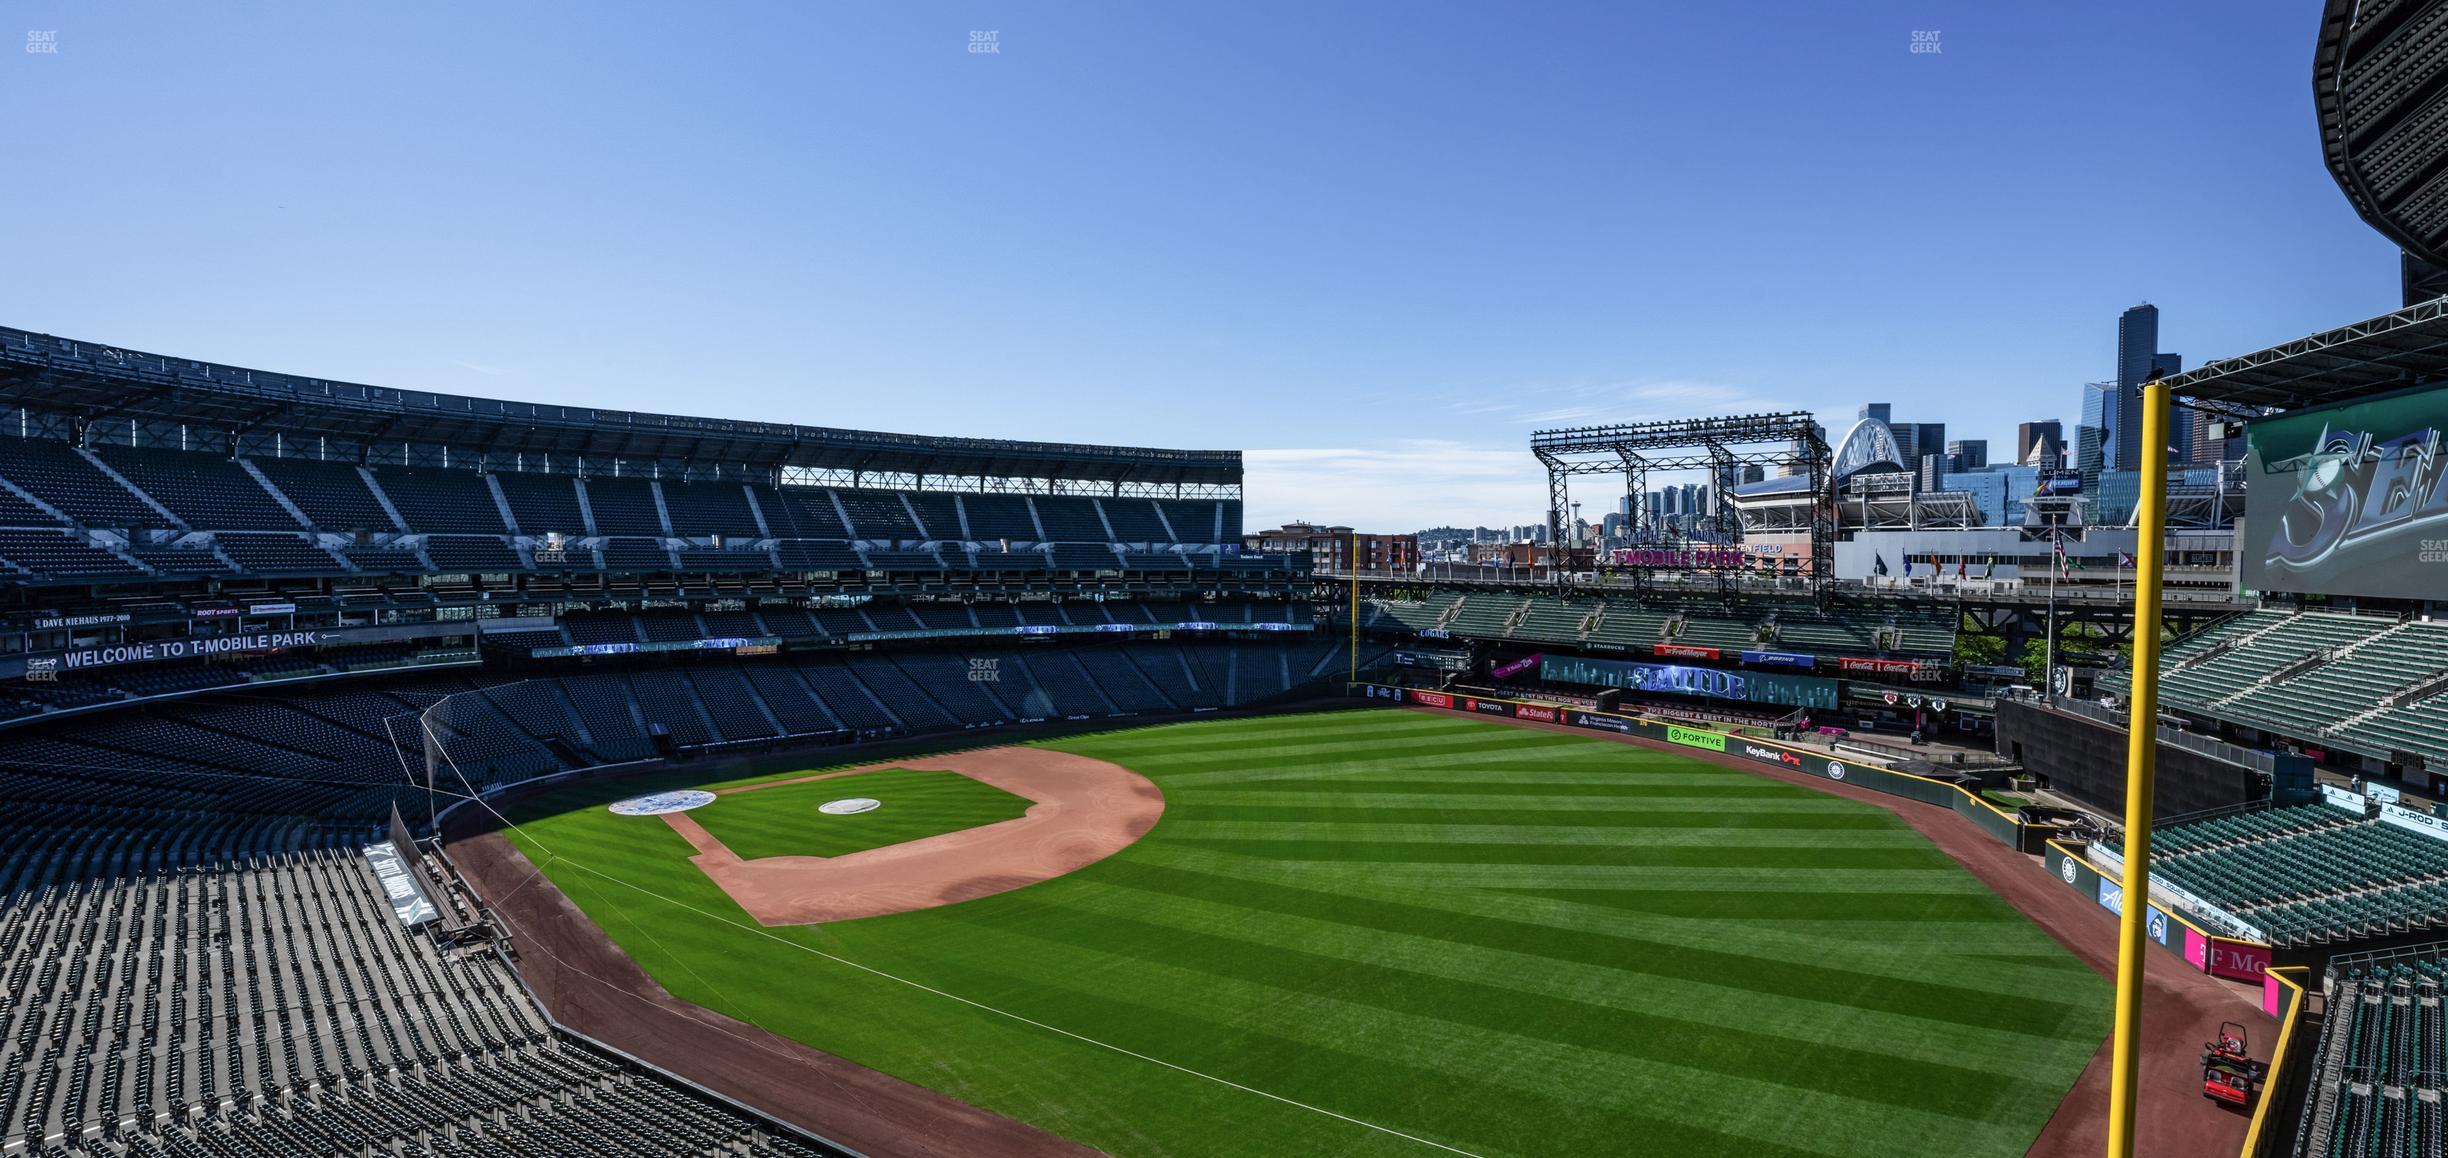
(1081, 811)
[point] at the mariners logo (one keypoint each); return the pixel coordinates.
(2158, 926)
(2067, 870)
(1835, 770)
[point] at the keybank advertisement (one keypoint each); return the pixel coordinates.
(2350, 500)
(1673, 679)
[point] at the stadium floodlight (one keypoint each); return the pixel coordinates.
(1722, 446)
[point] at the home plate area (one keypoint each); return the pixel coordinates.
(881, 839)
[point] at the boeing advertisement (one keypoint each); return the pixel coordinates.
(2349, 500)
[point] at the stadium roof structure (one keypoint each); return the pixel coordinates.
(2377, 78)
(2394, 351)
(87, 380)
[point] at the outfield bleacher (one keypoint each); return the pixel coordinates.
(2374, 686)
(1908, 631)
(2313, 873)
(2380, 1070)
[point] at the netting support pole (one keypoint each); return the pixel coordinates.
(2141, 767)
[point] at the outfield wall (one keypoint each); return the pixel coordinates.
(2003, 825)
(2234, 958)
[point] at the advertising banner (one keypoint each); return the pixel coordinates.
(1683, 558)
(1680, 651)
(2220, 957)
(1696, 737)
(725, 643)
(1508, 670)
(1781, 658)
(2412, 821)
(53, 622)
(1487, 707)
(1791, 691)
(2349, 499)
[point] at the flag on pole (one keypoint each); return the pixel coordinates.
(1879, 563)
(1989, 569)
(2125, 559)
(1908, 566)
(2059, 546)
(1961, 563)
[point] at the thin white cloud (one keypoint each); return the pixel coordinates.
(1401, 485)
(487, 371)
(1592, 403)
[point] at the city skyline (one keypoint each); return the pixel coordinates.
(843, 217)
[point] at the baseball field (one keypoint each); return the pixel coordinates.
(1389, 932)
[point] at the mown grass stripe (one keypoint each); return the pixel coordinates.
(1145, 920)
(1328, 834)
(1657, 814)
(1547, 844)
(1303, 920)
(1784, 978)
(1457, 1041)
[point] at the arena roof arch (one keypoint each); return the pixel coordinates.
(1869, 446)
(86, 382)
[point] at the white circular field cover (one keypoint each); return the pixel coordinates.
(851, 806)
(659, 803)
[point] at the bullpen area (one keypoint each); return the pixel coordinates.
(1365, 932)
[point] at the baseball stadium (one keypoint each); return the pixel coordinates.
(393, 772)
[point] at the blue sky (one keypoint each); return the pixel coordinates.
(1373, 244)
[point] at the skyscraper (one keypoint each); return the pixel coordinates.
(2094, 434)
(2048, 437)
(1967, 454)
(2137, 355)
(1919, 440)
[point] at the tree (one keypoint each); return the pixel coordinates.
(1978, 650)
(2035, 662)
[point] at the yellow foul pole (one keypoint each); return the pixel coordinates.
(2141, 752)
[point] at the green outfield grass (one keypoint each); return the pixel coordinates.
(1502, 940)
(783, 821)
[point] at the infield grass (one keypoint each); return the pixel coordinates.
(782, 820)
(1502, 940)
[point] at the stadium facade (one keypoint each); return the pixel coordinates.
(261, 628)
